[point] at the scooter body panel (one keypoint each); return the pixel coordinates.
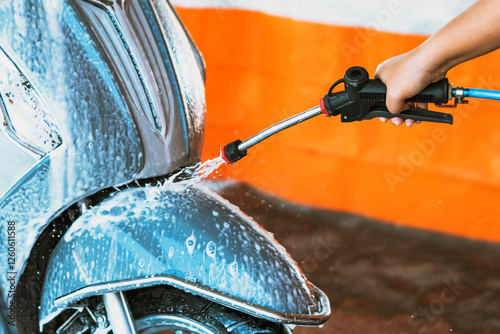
(92, 94)
(189, 238)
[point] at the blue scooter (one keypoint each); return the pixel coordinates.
(102, 101)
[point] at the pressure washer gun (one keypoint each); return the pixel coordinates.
(361, 99)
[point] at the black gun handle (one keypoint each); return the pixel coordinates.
(438, 92)
(412, 113)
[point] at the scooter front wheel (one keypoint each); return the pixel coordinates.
(168, 324)
(165, 310)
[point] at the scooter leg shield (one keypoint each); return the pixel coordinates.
(187, 238)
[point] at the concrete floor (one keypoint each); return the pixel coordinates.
(383, 278)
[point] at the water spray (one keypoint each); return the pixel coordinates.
(364, 99)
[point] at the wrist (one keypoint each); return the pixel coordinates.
(430, 60)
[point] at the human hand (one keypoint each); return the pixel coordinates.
(405, 76)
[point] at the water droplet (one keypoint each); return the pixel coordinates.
(211, 249)
(171, 252)
(233, 268)
(215, 213)
(142, 263)
(190, 243)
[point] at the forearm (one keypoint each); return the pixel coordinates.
(471, 34)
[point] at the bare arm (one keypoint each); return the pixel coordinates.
(473, 33)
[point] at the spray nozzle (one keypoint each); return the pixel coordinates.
(231, 153)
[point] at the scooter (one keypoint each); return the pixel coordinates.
(102, 101)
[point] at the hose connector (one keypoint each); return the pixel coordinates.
(231, 153)
(459, 94)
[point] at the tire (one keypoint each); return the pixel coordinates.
(166, 310)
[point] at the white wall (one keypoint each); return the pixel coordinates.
(403, 16)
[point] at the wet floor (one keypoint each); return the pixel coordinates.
(382, 278)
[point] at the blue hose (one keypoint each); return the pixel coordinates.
(482, 93)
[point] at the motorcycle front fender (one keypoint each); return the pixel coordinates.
(188, 238)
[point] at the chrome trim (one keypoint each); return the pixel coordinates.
(118, 313)
(199, 290)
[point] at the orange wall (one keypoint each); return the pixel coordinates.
(262, 68)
